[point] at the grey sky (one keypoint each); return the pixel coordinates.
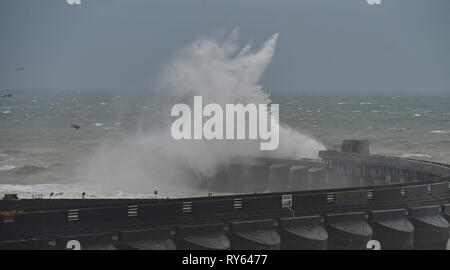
(324, 45)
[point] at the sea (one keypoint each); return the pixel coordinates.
(43, 155)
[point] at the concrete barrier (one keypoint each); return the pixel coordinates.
(254, 235)
(25, 244)
(392, 229)
(440, 189)
(303, 233)
(348, 231)
(91, 241)
(418, 191)
(153, 239)
(202, 237)
(101, 215)
(387, 194)
(26, 219)
(446, 211)
(431, 229)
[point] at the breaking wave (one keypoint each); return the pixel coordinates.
(222, 72)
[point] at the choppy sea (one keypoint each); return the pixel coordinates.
(41, 153)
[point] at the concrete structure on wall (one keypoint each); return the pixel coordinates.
(342, 201)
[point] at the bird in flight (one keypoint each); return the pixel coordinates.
(75, 126)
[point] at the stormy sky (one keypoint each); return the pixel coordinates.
(328, 46)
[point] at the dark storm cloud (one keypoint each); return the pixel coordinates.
(324, 45)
